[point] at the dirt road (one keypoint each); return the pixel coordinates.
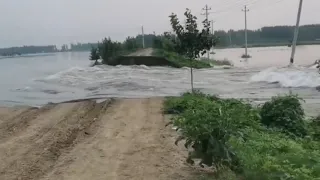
(123, 139)
(142, 52)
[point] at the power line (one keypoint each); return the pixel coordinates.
(227, 4)
(269, 4)
(234, 5)
(228, 10)
(253, 3)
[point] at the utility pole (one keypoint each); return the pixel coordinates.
(245, 31)
(206, 9)
(212, 32)
(230, 40)
(296, 33)
(142, 38)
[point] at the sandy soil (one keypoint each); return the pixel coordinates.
(142, 52)
(123, 139)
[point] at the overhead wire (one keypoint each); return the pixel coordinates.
(236, 4)
(252, 4)
(269, 5)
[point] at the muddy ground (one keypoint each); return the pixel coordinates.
(113, 140)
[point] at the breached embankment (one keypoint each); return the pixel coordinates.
(141, 57)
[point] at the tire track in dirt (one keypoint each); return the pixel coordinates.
(151, 154)
(46, 140)
(142, 52)
(7, 113)
(131, 143)
(19, 121)
(85, 140)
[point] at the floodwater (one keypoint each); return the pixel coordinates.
(37, 80)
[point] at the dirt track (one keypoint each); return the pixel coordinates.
(142, 52)
(114, 140)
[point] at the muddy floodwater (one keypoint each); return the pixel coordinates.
(37, 80)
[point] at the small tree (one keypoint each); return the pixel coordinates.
(130, 44)
(109, 49)
(189, 40)
(94, 55)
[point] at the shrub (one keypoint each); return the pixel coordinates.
(177, 105)
(207, 123)
(314, 128)
(227, 134)
(270, 155)
(286, 113)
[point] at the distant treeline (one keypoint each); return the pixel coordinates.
(266, 36)
(27, 50)
(82, 46)
(136, 42)
(270, 35)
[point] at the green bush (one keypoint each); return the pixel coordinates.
(314, 128)
(207, 123)
(215, 62)
(286, 113)
(228, 134)
(177, 105)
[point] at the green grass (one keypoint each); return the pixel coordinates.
(214, 62)
(242, 141)
(179, 61)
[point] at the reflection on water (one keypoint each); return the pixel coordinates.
(66, 76)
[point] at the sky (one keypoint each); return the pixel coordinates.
(43, 22)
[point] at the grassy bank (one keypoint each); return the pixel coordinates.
(158, 58)
(140, 60)
(178, 61)
(214, 62)
(241, 141)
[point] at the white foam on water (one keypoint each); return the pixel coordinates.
(74, 76)
(90, 77)
(144, 67)
(289, 76)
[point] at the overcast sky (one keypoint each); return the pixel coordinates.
(40, 22)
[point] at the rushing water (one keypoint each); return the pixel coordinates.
(37, 80)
